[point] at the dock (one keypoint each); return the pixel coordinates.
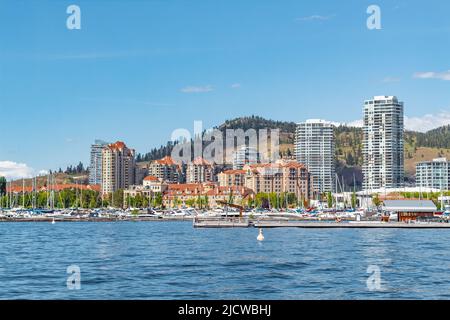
(221, 223)
(350, 225)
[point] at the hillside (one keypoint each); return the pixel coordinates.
(418, 146)
(59, 178)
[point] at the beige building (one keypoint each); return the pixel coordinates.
(155, 184)
(200, 171)
(230, 178)
(118, 167)
(280, 177)
(166, 169)
(181, 194)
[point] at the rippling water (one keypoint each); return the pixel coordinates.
(172, 260)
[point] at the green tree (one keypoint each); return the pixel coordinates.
(354, 199)
(118, 199)
(329, 200)
(376, 200)
(2, 186)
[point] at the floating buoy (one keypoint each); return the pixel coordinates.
(53, 221)
(260, 236)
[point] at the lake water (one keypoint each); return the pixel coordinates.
(172, 260)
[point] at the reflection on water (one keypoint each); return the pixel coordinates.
(171, 260)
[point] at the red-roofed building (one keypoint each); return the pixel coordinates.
(155, 184)
(279, 177)
(166, 169)
(180, 194)
(199, 171)
(118, 167)
(230, 178)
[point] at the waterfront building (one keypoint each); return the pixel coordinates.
(433, 174)
(230, 178)
(155, 184)
(279, 177)
(408, 210)
(166, 169)
(118, 167)
(199, 171)
(245, 155)
(149, 189)
(207, 193)
(383, 157)
(95, 168)
(315, 148)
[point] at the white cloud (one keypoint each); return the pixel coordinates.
(235, 85)
(419, 124)
(315, 17)
(433, 75)
(14, 170)
(427, 122)
(197, 89)
(356, 124)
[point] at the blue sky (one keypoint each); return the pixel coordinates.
(137, 70)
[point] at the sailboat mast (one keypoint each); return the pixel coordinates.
(23, 193)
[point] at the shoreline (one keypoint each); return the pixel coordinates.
(250, 223)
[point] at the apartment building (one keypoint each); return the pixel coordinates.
(118, 167)
(230, 178)
(95, 167)
(279, 177)
(245, 155)
(433, 174)
(315, 148)
(383, 159)
(166, 169)
(199, 171)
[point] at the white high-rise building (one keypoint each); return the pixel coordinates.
(433, 174)
(95, 168)
(383, 157)
(315, 147)
(245, 155)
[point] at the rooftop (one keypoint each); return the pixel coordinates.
(409, 205)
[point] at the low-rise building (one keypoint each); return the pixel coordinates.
(407, 210)
(208, 193)
(155, 184)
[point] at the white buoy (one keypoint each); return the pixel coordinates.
(260, 236)
(53, 221)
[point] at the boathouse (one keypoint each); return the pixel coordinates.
(410, 209)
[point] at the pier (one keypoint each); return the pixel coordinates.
(349, 225)
(221, 223)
